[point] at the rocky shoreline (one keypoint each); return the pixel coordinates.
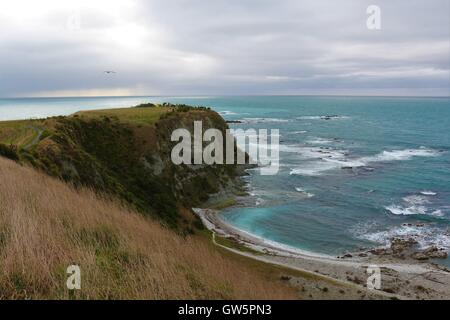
(406, 272)
(401, 248)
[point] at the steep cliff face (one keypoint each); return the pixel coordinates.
(130, 157)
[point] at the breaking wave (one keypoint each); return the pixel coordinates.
(320, 141)
(263, 120)
(428, 193)
(413, 205)
(304, 193)
(227, 113)
(401, 155)
(425, 235)
(329, 159)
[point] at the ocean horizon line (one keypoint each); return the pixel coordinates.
(223, 95)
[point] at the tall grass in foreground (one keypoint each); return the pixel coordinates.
(45, 226)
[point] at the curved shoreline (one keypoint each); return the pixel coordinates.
(405, 275)
(211, 219)
(258, 243)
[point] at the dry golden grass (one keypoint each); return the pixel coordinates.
(133, 115)
(45, 226)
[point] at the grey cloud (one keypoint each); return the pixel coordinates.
(229, 47)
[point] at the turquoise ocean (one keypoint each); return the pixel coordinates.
(354, 171)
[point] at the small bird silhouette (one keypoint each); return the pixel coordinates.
(109, 71)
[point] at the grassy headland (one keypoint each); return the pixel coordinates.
(124, 153)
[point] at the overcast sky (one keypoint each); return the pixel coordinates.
(213, 47)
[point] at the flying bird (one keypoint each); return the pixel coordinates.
(109, 71)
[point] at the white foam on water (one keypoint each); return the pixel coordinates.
(402, 155)
(413, 205)
(317, 160)
(259, 202)
(314, 152)
(428, 193)
(426, 236)
(347, 163)
(405, 211)
(285, 249)
(304, 193)
(263, 120)
(317, 140)
(312, 168)
(227, 113)
(415, 199)
(437, 213)
(239, 133)
(336, 159)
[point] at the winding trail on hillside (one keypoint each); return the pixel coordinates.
(36, 139)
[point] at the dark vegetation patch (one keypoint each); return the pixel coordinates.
(9, 152)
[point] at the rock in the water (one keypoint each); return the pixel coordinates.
(404, 248)
(435, 253)
(420, 256)
(400, 246)
(420, 225)
(362, 254)
(378, 251)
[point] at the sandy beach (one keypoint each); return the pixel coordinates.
(343, 278)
